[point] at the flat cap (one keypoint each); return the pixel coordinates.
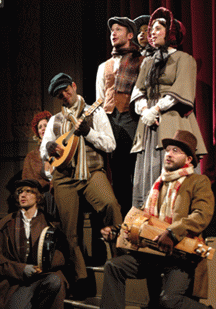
(32, 183)
(141, 20)
(123, 21)
(59, 81)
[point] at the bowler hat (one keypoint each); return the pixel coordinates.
(59, 81)
(184, 140)
(123, 21)
(32, 183)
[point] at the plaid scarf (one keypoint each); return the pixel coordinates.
(79, 160)
(174, 181)
(129, 68)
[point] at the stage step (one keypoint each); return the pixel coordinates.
(94, 303)
(136, 293)
(136, 290)
(90, 303)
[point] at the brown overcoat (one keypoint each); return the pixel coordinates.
(11, 268)
(193, 211)
(32, 168)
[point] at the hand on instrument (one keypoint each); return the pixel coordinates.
(149, 116)
(82, 128)
(38, 270)
(54, 149)
(165, 242)
(110, 233)
(29, 270)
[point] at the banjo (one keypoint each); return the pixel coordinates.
(46, 248)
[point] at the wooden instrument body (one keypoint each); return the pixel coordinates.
(69, 150)
(69, 141)
(138, 231)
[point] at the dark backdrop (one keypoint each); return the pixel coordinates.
(40, 38)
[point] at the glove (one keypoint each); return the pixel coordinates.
(149, 115)
(29, 270)
(83, 129)
(51, 148)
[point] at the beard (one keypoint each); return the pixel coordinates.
(173, 166)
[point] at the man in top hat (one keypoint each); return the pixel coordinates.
(184, 200)
(23, 284)
(84, 175)
(141, 23)
(114, 83)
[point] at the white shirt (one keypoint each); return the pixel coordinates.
(27, 223)
(100, 136)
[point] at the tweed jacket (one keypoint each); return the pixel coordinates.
(11, 268)
(193, 211)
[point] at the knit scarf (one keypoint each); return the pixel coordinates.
(174, 181)
(79, 160)
(129, 68)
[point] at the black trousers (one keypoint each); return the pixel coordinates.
(38, 294)
(169, 281)
(122, 162)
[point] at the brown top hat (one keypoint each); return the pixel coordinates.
(184, 140)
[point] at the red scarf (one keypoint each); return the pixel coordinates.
(174, 180)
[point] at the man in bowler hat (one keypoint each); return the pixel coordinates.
(184, 200)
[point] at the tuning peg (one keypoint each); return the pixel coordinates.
(200, 249)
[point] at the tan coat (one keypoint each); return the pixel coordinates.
(193, 211)
(179, 81)
(170, 122)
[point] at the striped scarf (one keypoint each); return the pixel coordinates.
(174, 181)
(72, 114)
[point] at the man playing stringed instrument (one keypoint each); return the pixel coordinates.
(185, 201)
(83, 173)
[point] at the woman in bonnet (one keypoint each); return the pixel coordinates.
(163, 97)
